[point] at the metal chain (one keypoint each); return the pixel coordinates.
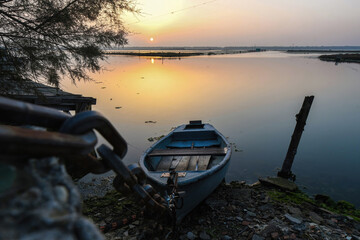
(80, 130)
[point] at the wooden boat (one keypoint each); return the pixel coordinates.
(200, 156)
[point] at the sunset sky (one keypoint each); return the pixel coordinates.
(245, 23)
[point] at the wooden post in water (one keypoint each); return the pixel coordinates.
(301, 117)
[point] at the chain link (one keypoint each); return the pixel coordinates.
(80, 130)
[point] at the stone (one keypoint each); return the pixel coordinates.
(190, 236)
(274, 235)
(269, 229)
(226, 237)
(292, 236)
(312, 225)
(257, 237)
(43, 205)
(250, 214)
(293, 219)
(245, 223)
(266, 207)
(240, 219)
(204, 236)
(279, 182)
(294, 211)
(315, 218)
(61, 193)
(299, 227)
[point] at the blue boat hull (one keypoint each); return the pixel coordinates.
(196, 183)
(195, 192)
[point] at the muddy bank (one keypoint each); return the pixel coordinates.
(233, 211)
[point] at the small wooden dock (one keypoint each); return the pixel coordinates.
(53, 97)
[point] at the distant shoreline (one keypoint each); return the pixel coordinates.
(323, 51)
(157, 54)
(350, 58)
(179, 53)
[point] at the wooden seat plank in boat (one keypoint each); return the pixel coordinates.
(183, 164)
(164, 163)
(175, 162)
(192, 163)
(203, 162)
(188, 152)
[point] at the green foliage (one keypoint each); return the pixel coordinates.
(44, 40)
(345, 206)
(112, 204)
(298, 197)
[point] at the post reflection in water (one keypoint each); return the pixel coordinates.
(250, 98)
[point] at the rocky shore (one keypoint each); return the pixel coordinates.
(232, 211)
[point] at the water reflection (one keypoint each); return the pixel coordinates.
(250, 98)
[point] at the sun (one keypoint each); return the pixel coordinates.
(151, 39)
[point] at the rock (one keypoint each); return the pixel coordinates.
(279, 182)
(226, 237)
(204, 236)
(312, 225)
(245, 223)
(257, 237)
(48, 205)
(294, 211)
(299, 227)
(269, 229)
(250, 214)
(293, 219)
(330, 223)
(239, 219)
(190, 236)
(215, 203)
(266, 207)
(274, 235)
(315, 218)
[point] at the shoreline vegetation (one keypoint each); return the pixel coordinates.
(233, 211)
(175, 54)
(343, 54)
(349, 58)
(323, 51)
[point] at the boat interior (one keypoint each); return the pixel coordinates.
(193, 149)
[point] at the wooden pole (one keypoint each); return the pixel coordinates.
(301, 117)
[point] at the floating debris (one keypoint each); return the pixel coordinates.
(98, 82)
(103, 87)
(110, 99)
(233, 145)
(150, 121)
(118, 107)
(151, 139)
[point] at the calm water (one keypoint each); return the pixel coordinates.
(252, 99)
